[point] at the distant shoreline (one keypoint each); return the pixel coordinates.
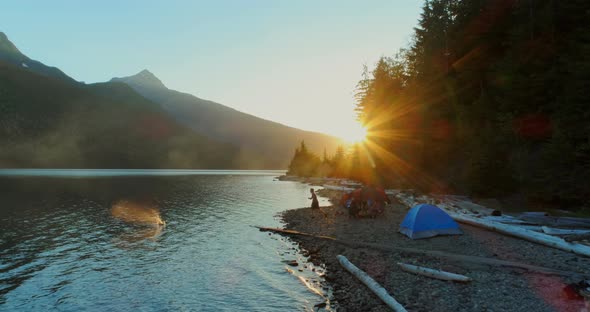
(30, 172)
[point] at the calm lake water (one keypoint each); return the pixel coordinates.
(83, 240)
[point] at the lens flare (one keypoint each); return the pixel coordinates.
(356, 134)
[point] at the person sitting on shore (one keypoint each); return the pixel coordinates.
(314, 200)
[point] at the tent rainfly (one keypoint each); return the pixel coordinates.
(426, 220)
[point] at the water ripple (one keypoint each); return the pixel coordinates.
(66, 250)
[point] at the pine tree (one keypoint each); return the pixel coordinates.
(487, 97)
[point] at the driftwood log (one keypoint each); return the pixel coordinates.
(371, 284)
(437, 274)
(577, 238)
(552, 231)
(535, 237)
(338, 188)
(543, 219)
(431, 253)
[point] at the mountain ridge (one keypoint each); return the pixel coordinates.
(50, 123)
(143, 78)
(11, 54)
(260, 138)
(135, 81)
(7, 46)
(133, 121)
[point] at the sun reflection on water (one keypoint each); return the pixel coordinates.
(137, 212)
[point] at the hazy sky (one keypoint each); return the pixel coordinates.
(294, 62)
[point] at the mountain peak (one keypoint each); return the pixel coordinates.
(11, 54)
(144, 78)
(146, 73)
(7, 47)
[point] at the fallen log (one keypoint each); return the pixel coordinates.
(293, 232)
(473, 207)
(470, 259)
(535, 237)
(371, 284)
(437, 274)
(577, 237)
(407, 200)
(432, 253)
(337, 188)
(534, 228)
(543, 219)
(392, 192)
(507, 220)
(351, 183)
(552, 231)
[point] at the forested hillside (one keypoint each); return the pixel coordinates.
(491, 98)
(47, 122)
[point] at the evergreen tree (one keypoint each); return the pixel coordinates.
(490, 98)
(304, 163)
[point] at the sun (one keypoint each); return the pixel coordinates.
(356, 133)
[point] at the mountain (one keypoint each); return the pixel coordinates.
(9, 53)
(262, 143)
(48, 122)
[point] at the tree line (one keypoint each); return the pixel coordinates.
(490, 98)
(344, 163)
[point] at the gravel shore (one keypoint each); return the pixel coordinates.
(493, 288)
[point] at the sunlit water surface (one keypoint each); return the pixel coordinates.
(79, 241)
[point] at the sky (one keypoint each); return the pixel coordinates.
(293, 62)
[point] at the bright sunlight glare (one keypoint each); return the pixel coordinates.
(355, 133)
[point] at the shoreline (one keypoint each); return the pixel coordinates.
(510, 203)
(492, 289)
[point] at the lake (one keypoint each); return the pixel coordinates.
(76, 240)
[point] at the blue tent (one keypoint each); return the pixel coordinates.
(426, 221)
